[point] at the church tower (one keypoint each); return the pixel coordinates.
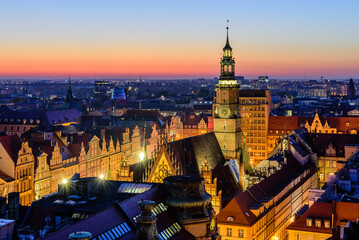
(226, 117)
(69, 96)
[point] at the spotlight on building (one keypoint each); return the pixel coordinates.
(142, 156)
(102, 176)
(64, 181)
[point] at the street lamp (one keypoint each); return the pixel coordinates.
(142, 156)
(102, 176)
(64, 181)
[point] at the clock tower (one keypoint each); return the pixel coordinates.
(226, 116)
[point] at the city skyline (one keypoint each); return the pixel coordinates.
(178, 40)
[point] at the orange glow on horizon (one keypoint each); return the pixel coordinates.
(199, 61)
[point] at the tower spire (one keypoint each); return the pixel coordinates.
(227, 46)
(69, 96)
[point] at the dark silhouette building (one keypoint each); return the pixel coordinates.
(351, 90)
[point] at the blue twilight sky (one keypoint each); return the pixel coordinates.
(282, 39)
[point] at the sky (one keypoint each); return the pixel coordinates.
(178, 39)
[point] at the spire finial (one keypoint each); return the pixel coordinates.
(227, 46)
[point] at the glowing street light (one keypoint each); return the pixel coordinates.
(142, 156)
(102, 176)
(64, 181)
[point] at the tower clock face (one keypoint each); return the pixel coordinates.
(224, 111)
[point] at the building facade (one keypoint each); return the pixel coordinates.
(255, 107)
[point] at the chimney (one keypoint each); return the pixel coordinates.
(13, 200)
(146, 222)
(2, 207)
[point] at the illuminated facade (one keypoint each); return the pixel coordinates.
(255, 107)
(266, 209)
(16, 168)
(226, 116)
(318, 127)
(187, 126)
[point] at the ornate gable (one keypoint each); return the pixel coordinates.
(162, 167)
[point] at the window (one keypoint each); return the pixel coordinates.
(310, 237)
(240, 233)
(309, 222)
(334, 163)
(318, 223)
(229, 232)
(327, 163)
(327, 223)
(347, 124)
(299, 236)
(321, 176)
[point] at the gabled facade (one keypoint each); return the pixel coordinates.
(17, 168)
(317, 127)
(42, 177)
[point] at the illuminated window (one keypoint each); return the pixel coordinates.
(327, 223)
(240, 233)
(299, 236)
(327, 163)
(230, 219)
(321, 176)
(334, 163)
(229, 232)
(347, 124)
(309, 222)
(318, 223)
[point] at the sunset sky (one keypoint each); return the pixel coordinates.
(178, 39)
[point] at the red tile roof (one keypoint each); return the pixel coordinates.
(12, 145)
(282, 123)
(345, 211)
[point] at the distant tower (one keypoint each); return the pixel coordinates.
(351, 90)
(69, 97)
(226, 116)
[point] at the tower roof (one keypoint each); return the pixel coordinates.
(227, 46)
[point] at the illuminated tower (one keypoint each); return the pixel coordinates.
(226, 116)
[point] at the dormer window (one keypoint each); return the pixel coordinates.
(230, 219)
(327, 223)
(318, 223)
(309, 222)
